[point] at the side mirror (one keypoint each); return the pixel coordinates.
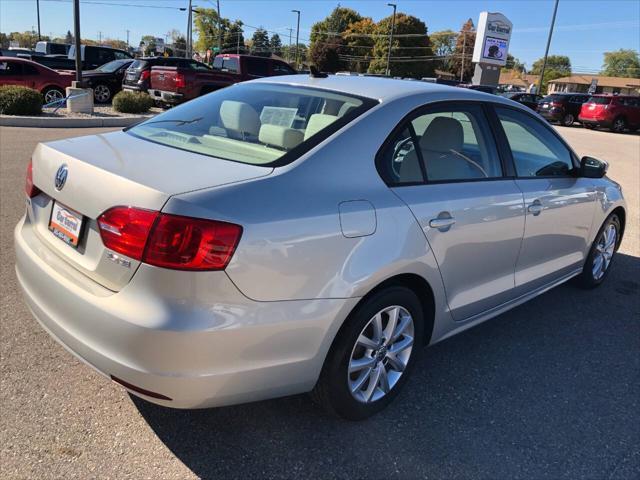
(593, 168)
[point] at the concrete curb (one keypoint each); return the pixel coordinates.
(69, 122)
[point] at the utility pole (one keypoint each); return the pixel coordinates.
(546, 52)
(38, 11)
(464, 48)
(393, 24)
(297, 37)
(76, 32)
(219, 28)
(128, 46)
(289, 51)
(99, 37)
(188, 53)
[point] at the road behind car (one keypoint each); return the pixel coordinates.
(547, 390)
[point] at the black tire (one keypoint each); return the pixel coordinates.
(568, 120)
(332, 390)
(587, 279)
(618, 125)
(102, 93)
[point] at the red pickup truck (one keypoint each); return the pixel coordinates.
(190, 79)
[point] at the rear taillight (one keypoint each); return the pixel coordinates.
(180, 81)
(145, 75)
(555, 104)
(29, 188)
(169, 241)
(125, 230)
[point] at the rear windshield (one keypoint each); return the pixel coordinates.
(138, 65)
(554, 98)
(600, 100)
(254, 123)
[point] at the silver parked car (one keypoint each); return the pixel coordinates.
(299, 234)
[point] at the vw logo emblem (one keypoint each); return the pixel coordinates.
(61, 177)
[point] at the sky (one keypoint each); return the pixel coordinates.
(584, 28)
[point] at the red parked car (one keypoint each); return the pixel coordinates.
(25, 73)
(616, 112)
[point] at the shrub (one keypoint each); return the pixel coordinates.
(132, 102)
(16, 100)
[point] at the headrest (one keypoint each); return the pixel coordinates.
(345, 108)
(442, 135)
(317, 122)
(279, 136)
(240, 117)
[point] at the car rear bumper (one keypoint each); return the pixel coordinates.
(552, 115)
(596, 122)
(133, 88)
(188, 340)
(166, 97)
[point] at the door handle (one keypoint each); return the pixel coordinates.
(441, 223)
(535, 208)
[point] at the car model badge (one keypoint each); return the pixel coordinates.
(61, 177)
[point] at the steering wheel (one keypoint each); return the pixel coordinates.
(399, 153)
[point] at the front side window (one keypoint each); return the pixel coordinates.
(536, 151)
(445, 144)
(259, 124)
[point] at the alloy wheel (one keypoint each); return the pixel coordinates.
(568, 120)
(618, 125)
(381, 354)
(604, 251)
(102, 93)
(52, 95)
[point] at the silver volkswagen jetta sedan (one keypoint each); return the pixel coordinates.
(301, 234)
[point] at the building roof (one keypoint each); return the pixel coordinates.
(513, 77)
(614, 82)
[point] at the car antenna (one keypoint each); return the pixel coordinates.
(315, 73)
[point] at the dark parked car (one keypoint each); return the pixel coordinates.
(106, 80)
(92, 58)
(616, 112)
(138, 75)
(563, 108)
(481, 88)
(25, 73)
(531, 100)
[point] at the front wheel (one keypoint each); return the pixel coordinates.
(102, 93)
(618, 125)
(52, 94)
(602, 252)
(372, 355)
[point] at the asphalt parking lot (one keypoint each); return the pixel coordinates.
(548, 390)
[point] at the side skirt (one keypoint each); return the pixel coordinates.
(495, 311)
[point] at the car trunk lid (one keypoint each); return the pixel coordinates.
(595, 107)
(164, 78)
(116, 169)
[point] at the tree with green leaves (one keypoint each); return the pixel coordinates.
(149, 44)
(462, 54)
(289, 53)
(621, 63)
(327, 44)
(410, 43)
(206, 25)
(359, 44)
(558, 63)
(260, 43)
(325, 55)
(276, 44)
(334, 24)
(233, 40)
(513, 63)
(443, 44)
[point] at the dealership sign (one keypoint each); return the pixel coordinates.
(492, 39)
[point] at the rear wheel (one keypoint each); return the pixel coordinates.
(619, 125)
(102, 93)
(372, 355)
(52, 94)
(602, 252)
(589, 126)
(568, 120)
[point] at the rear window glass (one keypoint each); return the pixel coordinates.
(600, 100)
(138, 65)
(259, 124)
(554, 98)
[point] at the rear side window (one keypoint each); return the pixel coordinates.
(282, 69)
(536, 151)
(445, 145)
(257, 66)
(10, 69)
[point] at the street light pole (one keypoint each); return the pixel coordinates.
(393, 24)
(297, 37)
(38, 11)
(289, 51)
(219, 28)
(187, 52)
(76, 32)
(546, 52)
